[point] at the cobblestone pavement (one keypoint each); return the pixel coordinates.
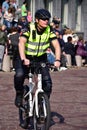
(68, 101)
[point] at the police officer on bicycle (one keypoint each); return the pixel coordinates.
(32, 46)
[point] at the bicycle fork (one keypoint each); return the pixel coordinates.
(34, 101)
(39, 90)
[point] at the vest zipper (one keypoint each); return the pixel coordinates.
(38, 45)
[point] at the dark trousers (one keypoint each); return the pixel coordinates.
(22, 71)
(2, 49)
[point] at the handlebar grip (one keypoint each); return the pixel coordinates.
(22, 61)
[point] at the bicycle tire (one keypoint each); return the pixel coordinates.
(24, 121)
(23, 112)
(42, 122)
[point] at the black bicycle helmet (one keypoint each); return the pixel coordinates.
(42, 14)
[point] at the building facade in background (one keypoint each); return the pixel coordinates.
(73, 13)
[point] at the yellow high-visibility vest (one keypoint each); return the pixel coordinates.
(37, 46)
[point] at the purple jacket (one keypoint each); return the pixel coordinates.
(80, 49)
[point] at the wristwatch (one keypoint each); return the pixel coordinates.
(58, 60)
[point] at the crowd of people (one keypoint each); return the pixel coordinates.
(14, 22)
(73, 46)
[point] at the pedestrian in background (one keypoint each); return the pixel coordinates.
(3, 42)
(24, 10)
(22, 25)
(1, 15)
(13, 41)
(5, 6)
(8, 18)
(69, 50)
(29, 17)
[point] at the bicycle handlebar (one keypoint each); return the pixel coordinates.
(37, 64)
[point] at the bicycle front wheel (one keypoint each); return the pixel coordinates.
(43, 121)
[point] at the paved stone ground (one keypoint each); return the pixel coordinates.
(68, 100)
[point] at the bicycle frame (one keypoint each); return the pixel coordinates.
(34, 100)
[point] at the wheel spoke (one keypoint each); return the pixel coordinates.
(43, 122)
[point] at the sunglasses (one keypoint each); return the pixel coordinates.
(44, 19)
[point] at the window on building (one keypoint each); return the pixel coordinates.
(64, 11)
(32, 8)
(49, 5)
(78, 15)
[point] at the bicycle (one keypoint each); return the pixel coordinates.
(35, 105)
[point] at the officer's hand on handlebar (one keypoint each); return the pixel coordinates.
(26, 62)
(57, 64)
